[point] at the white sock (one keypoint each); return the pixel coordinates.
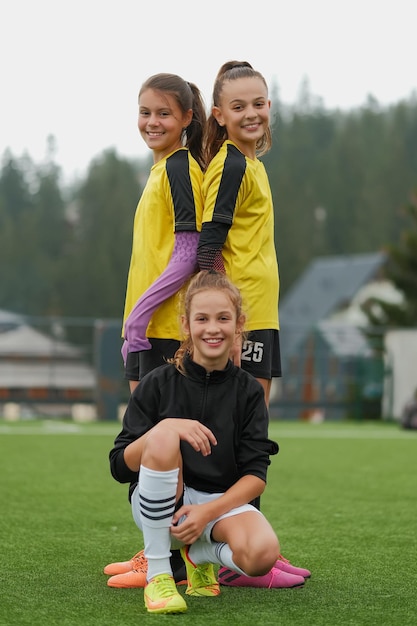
(220, 553)
(157, 497)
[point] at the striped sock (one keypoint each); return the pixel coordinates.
(157, 497)
(214, 552)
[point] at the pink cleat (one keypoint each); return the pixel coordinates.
(274, 579)
(284, 565)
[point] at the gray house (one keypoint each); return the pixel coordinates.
(329, 367)
(37, 367)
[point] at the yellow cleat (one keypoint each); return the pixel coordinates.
(161, 596)
(201, 578)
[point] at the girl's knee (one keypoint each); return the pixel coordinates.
(257, 559)
(262, 564)
(161, 449)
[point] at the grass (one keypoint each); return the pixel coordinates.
(342, 498)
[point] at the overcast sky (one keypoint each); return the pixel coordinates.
(73, 69)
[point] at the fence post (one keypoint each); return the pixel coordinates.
(107, 344)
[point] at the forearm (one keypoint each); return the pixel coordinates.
(182, 265)
(170, 281)
(210, 246)
(244, 491)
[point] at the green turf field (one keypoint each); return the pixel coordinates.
(342, 498)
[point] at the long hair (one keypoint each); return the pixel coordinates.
(187, 96)
(203, 281)
(216, 135)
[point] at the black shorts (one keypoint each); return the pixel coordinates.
(261, 354)
(140, 363)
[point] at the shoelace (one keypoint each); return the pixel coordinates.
(165, 587)
(140, 564)
(283, 559)
(274, 572)
(204, 578)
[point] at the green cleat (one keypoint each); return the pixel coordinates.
(201, 578)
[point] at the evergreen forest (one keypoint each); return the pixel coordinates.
(340, 181)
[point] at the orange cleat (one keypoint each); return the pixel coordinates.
(139, 560)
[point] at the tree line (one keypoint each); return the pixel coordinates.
(339, 180)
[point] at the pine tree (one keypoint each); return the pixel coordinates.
(401, 270)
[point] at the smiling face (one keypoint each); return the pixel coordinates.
(244, 111)
(213, 328)
(161, 122)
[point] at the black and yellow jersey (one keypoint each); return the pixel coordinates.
(236, 193)
(171, 202)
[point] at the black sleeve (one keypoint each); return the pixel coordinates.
(140, 416)
(178, 173)
(255, 447)
(211, 242)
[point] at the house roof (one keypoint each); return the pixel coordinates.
(29, 358)
(328, 284)
(10, 319)
(344, 340)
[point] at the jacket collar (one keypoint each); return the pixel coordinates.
(197, 372)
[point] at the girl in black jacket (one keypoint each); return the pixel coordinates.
(195, 449)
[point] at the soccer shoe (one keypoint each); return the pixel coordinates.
(136, 576)
(201, 578)
(284, 565)
(161, 596)
(135, 579)
(128, 580)
(274, 579)
(126, 566)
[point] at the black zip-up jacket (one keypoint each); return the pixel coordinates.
(229, 402)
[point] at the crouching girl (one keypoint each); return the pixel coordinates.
(195, 449)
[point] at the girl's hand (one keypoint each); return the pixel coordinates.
(193, 432)
(190, 529)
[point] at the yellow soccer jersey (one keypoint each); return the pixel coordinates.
(236, 192)
(171, 202)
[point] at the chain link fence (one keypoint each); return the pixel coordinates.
(72, 367)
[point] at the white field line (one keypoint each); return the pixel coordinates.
(56, 428)
(278, 430)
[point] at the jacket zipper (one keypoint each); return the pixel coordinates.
(205, 393)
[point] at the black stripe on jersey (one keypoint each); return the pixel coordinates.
(178, 172)
(233, 171)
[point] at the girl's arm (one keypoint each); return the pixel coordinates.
(223, 184)
(210, 246)
(243, 491)
(182, 265)
(197, 516)
(141, 415)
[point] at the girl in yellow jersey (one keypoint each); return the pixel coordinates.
(167, 222)
(238, 221)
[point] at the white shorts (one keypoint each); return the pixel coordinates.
(193, 496)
